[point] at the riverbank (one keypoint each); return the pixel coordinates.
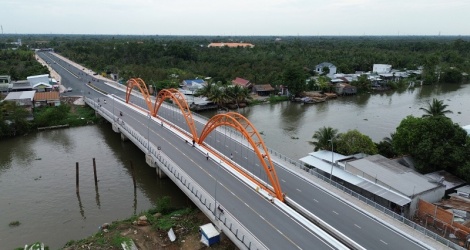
(149, 231)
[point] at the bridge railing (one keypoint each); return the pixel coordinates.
(225, 218)
(240, 235)
(369, 202)
(339, 186)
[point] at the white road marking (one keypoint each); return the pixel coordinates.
(384, 242)
(299, 190)
(245, 158)
(283, 180)
(315, 200)
(357, 226)
(335, 212)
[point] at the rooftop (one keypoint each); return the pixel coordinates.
(378, 168)
(353, 179)
(240, 81)
(20, 95)
(44, 96)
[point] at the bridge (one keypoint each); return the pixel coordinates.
(224, 167)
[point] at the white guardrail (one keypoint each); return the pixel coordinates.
(228, 224)
(203, 200)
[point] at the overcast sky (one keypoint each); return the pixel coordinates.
(237, 17)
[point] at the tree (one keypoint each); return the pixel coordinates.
(362, 82)
(452, 75)
(385, 147)
(436, 108)
(353, 142)
(294, 78)
(435, 143)
(324, 137)
(323, 83)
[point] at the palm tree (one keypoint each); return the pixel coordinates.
(324, 137)
(436, 109)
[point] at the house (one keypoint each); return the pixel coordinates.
(263, 89)
(242, 82)
(377, 178)
(231, 45)
(394, 176)
(193, 84)
(450, 181)
(5, 83)
(332, 68)
(21, 85)
(382, 68)
(51, 98)
(345, 89)
(23, 99)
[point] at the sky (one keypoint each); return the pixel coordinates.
(237, 17)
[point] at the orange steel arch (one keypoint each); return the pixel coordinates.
(177, 98)
(133, 82)
(242, 124)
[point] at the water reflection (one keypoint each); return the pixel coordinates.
(18, 148)
(60, 138)
(292, 116)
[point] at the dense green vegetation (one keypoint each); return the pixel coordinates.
(14, 119)
(433, 141)
(20, 64)
(288, 61)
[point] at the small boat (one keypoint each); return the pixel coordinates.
(313, 100)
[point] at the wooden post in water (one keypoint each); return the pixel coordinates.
(133, 174)
(76, 173)
(94, 172)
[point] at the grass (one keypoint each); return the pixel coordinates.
(34, 246)
(14, 223)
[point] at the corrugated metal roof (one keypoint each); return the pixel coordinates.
(392, 174)
(356, 180)
(44, 96)
(20, 95)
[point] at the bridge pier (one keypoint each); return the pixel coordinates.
(116, 127)
(152, 162)
(123, 137)
(98, 114)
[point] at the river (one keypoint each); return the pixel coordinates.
(376, 115)
(37, 185)
(37, 171)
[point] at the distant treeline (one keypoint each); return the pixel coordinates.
(20, 64)
(158, 58)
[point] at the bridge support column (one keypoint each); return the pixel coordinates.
(123, 137)
(116, 127)
(98, 114)
(152, 162)
(160, 173)
(158, 168)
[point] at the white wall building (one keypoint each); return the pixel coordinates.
(382, 68)
(330, 66)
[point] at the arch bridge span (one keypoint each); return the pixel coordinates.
(244, 126)
(231, 119)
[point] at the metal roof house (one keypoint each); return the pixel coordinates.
(377, 178)
(396, 177)
(193, 84)
(242, 82)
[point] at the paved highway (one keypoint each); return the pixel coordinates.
(356, 225)
(276, 229)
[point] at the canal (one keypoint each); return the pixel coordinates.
(288, 127)
(37, 171)
(37, 185)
